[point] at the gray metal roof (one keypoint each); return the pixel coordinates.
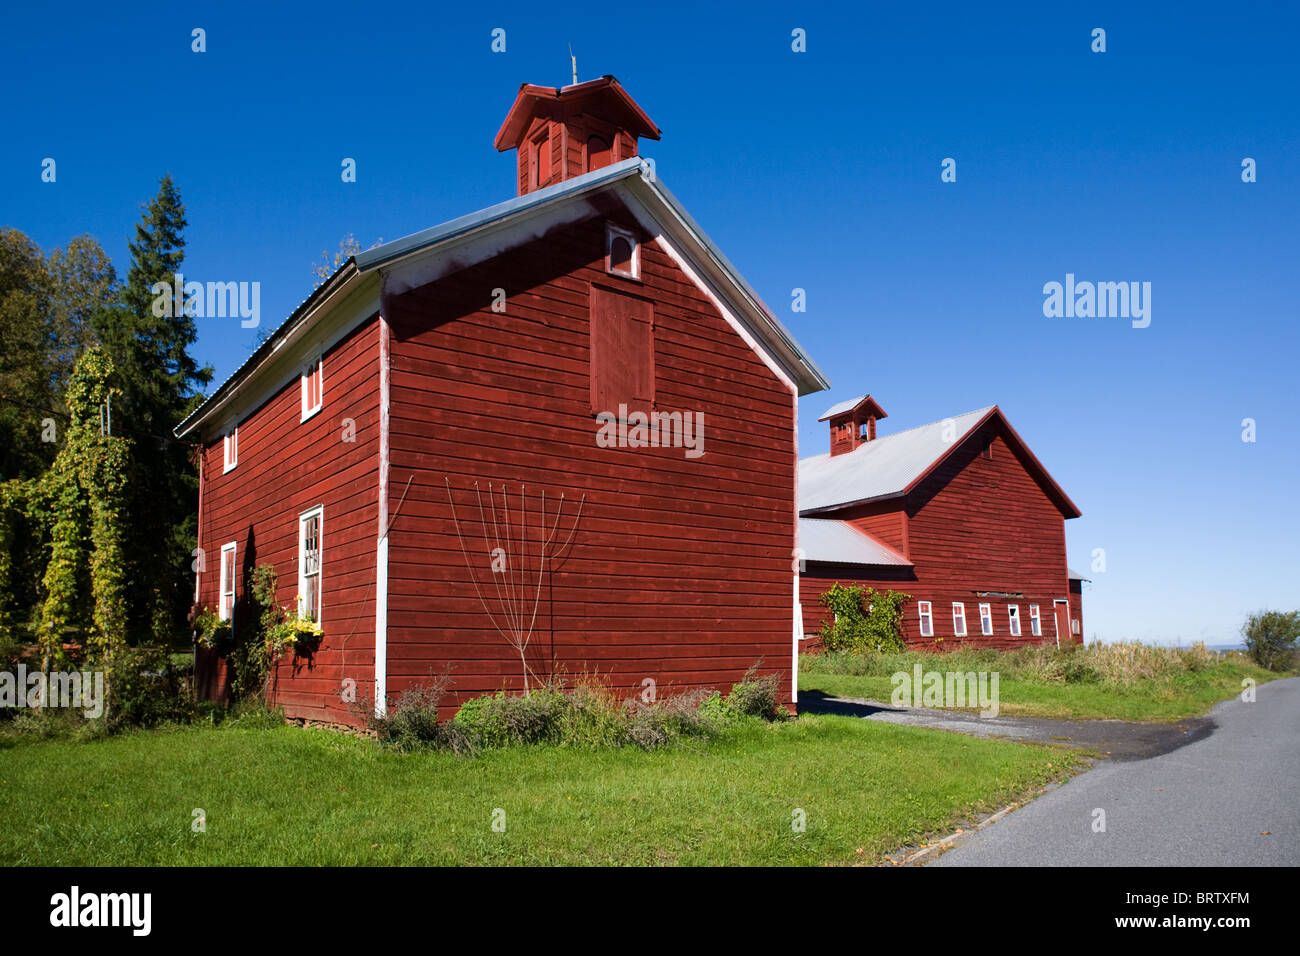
(838, 542)
(635, 171)
(881, 468)
(841, 407)
(1074, 575)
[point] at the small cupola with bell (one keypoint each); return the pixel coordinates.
(563, 132)
(853, 423)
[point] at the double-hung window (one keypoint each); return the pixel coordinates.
(310, 528)
(958, 619)
(1035, 621)
(1013, 618)
(927, 618)
(226, 610)
(986, 619)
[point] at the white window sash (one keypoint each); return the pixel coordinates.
(231, 449)
(227, 583)
(311, 573)
(315, 370)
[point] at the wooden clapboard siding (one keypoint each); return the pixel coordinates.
(287, 466)
(886, 521)
(974, 524)
(1076, 607)
(680, 568)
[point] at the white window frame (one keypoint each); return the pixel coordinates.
(1035, 621)
(1013, 619)
(986, 620)
(317, 361)
(611, 233)
(958, 614)
(230, 447)
(1074, 625)
(926, 615)
(317, 512)
(227, 582)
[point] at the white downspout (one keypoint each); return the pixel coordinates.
(381, 544)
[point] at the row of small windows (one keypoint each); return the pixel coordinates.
(312, 391)
(310, 562)
(926, 613)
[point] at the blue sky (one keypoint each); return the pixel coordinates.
(817, 170)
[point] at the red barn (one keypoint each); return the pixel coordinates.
(508, 444)
(958, 513)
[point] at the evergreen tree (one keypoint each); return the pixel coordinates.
(160, 383)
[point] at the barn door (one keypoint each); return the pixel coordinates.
(1061, 611)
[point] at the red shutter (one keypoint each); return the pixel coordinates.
(598, 153)
(542, 161)
(622, 352)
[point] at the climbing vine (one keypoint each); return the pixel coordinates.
(268, 632)
(9, 518)
(865, 619)
(84, 494)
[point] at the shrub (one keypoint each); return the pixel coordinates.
(658, 723)
(856, 629)
(410, 722)
(586, 716)
(534, 717)
(594, 718)
(1271, 638)
(144, 690)
(141, 689)
(757, 696)
(47, 723)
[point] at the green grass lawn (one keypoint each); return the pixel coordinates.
(311, 797)
(1162, 699)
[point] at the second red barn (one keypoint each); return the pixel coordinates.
(958, 513)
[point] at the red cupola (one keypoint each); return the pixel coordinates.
(852, 423)
(563, 132)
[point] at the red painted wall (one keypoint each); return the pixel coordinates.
(285, 467)
(680, 571)
(1076, 608)
(976, 524)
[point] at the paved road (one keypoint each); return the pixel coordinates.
(1229, 798)
(1113, 739)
